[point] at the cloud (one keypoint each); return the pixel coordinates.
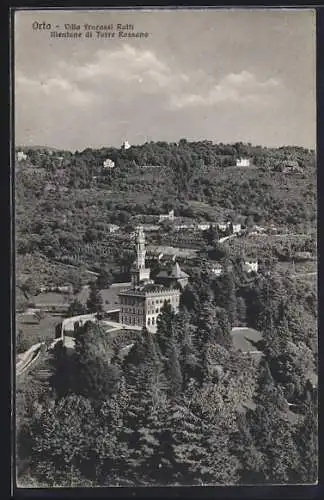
(240, 88)
(117, 85)
(51, 87)
(142, 72)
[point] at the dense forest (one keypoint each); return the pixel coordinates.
(183, 406)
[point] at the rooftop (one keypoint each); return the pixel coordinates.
(150, 288)
(175, 272)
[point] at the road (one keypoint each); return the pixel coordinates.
(221, 240)
(301, 275)
(29, 358)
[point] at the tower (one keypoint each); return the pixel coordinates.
(139, 271)
(140, 249)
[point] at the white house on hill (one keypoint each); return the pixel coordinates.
(126, 145)
(169, 216)
(250, 266)
(113, 228)
(21, 156)
(108, 163)
(236, 227)
(242, 162)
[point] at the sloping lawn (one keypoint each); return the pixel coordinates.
(34, 331)
(244, 338)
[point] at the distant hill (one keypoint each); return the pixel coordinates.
(41, 148)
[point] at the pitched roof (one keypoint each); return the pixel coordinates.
(175, 272)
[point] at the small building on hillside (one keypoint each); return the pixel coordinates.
(168, 216)
(258, 229)
(250, 266)
(303, 256)
(184, 227)
(108, 163)
(173, 277)
(222, 226)
(126, 145)
(217, 269)
(21, 156)
(233, 227)
(236, 227)
(289, 166)
(113, 228)
(203, 226)
(242, 162)
(150, 227)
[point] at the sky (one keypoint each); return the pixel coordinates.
(220, 75)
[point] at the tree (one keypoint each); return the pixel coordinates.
(188, 355)
(241, 310)
(61, 438)
(211, 235)
(62, 371)
(166, 226)
(94, 376)
(143, 365)
(95, 301)
(174, 373)
(21, 303)
(218, 251)
(39, 315)
(251, 460)
(74, 279)
(306, 437)
(21, 342)
(76, 308)
(227, 299)
(165, 327)
(271, 434)
(29, 287)
(104, 280)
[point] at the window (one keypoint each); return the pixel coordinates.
(153, 320)
(149, 321)
(157, 310)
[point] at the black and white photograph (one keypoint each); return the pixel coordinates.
(165, 247)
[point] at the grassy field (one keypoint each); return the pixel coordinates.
(50, 298)
(34, 331)
(244, 338)
(109, 296)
